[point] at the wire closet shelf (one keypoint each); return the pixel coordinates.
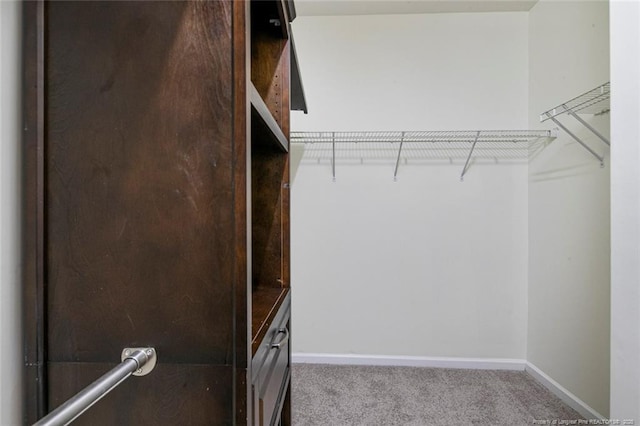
(595, 101)
(399, 146)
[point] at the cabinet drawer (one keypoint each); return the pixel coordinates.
(272, 383)
(271, 370)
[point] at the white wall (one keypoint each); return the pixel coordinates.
(420, 72)
(625, 210)
(569, 247)
(428, 265)
(10, 306)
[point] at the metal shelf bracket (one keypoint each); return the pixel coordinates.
(577, 139)
(395, 172)
(585, 124)
(595, 101)
(466, 164)
(333, 160)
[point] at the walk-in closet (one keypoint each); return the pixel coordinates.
(451, 195)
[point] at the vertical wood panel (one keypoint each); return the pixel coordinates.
(140, 180)
(270, 69)
(285, 70)
(242, 301)
(270, 73)
(268, 174)
(33, 221)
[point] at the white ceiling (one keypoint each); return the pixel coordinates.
(390, 7)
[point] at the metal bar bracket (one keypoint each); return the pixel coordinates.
(333, 161)
(466, 165)
(145, 366)
(395, 172)
(585, 124)
(577, 139)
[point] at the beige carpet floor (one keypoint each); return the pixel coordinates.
(331, 395)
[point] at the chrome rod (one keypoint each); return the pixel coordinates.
(136, 361)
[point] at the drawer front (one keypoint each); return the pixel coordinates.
(271, 370)
(273, 381)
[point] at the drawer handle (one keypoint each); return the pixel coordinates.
(283, 340)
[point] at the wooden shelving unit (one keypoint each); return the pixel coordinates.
(272, 67)
(163, 175)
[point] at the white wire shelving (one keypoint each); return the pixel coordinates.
(466, 145)
(595, 101)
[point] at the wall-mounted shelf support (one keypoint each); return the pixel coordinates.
(333, 160)
(577, 139)
(466, 164)
(587, 125)
(595, 101)
(395, 172)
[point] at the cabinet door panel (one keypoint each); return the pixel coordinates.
(139, 180)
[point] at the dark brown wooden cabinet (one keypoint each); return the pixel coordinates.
(157, 207)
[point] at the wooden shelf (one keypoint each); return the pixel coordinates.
(263, 122)
(265, 304)
(208, 324)
(270, 98)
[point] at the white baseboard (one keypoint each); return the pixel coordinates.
(410, 361)
(567, 397)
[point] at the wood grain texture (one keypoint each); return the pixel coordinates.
(140, 180)
(263, 123)
(179, 394)
(242, 194)
(270, 74)
(152, 206)
(270, 61)
(270, 190)
(268, 176)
